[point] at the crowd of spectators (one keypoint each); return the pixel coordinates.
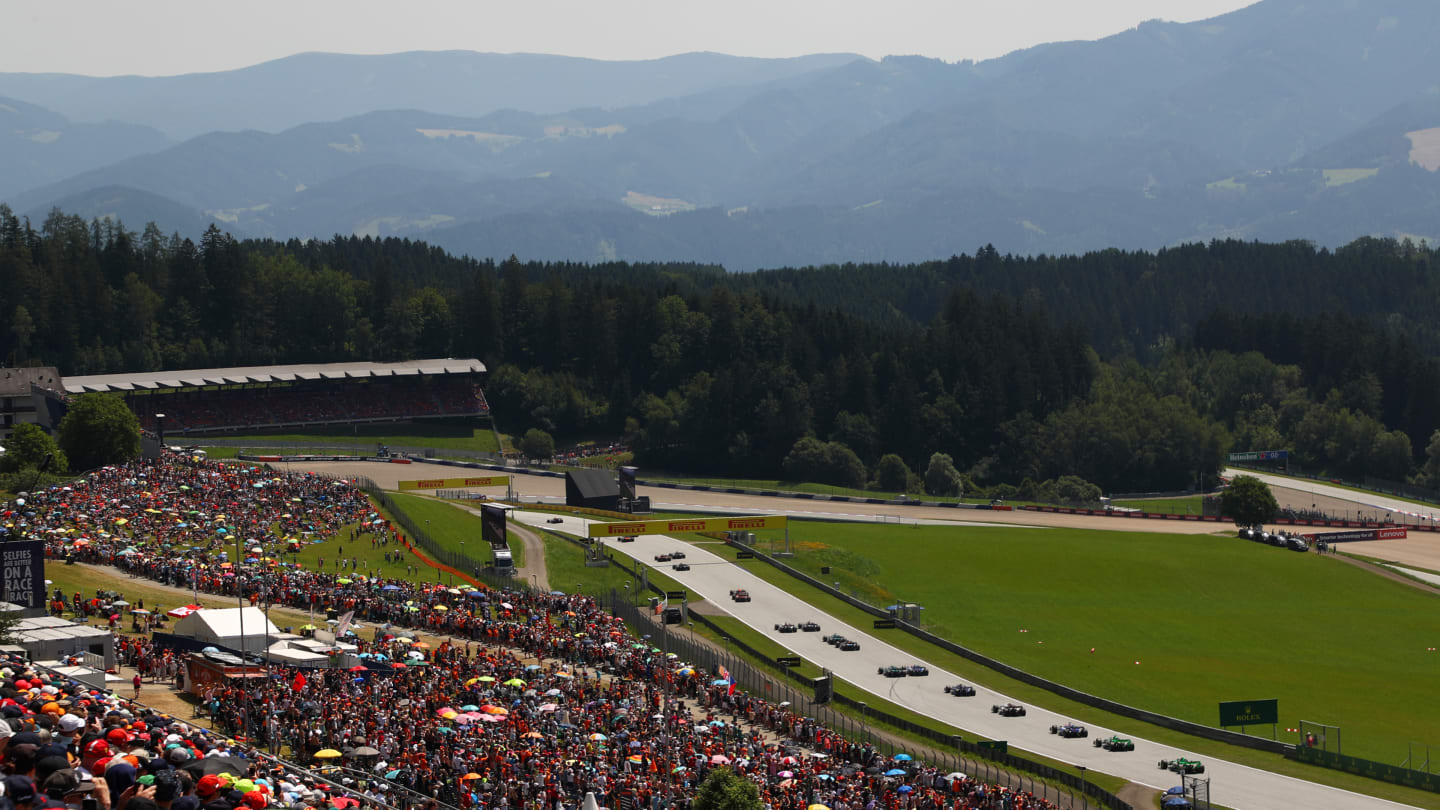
(67, 745)
(526, 700)
(258, 407)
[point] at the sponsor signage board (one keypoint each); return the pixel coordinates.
(457, 483)
(1261, 455)
(1249, 712)
(681, 526)
(1393, 533)
(24, 573)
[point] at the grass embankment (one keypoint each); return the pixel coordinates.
(1187, 505)
(453, 528)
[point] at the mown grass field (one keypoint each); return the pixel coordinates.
(453, 528)
(441, 434)
(1190, 505)
(1208, 619)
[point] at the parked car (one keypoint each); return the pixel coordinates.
(960, 690)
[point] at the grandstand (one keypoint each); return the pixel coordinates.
(232, 400)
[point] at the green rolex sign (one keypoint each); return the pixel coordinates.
(1249, 713)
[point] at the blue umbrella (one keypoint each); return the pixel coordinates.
(391, 588)
(392, 774)
(720, 683)
(894, 772)
(904, 789)
(902, 757)
(557, 593)
(471, 594)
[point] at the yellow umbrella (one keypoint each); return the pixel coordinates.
(441, 608)
(817, 807)
(327, 753)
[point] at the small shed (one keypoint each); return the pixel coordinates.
(48, 638)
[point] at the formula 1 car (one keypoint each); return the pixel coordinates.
(740, 595)
(556, 520)
(677, 555)
(627, 539)
(662, 558)
(893, 672)
(833, 639)
(1115, 743)
(1070, 731)
(918, 671)
(809, 627)
(1009, 710)
(848, 646)
(786, 628)
(960, 690)
(680, 567)
(1182, 765)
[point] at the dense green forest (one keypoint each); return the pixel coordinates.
(1133, 370)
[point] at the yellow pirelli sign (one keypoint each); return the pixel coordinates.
(457, 483)
(680, 526)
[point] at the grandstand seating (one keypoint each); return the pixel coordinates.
(241, 408)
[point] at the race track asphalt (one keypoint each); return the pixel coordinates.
(712, 577)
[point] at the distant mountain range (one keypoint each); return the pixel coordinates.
(1312, 119)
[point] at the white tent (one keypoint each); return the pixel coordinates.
(223, 628)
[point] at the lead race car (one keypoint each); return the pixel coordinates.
(917, 671)
(1009, 710)
(1116, 743)
(740, 595)
(1070, 730)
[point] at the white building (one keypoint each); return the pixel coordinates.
(237, 628)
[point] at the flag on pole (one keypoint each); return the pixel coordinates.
(299, 682)
(344, 624)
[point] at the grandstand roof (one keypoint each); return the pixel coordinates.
(157, 380)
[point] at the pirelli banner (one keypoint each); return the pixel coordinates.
(457, 483)
(730, 524)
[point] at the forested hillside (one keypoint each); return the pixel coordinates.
(1133, 370)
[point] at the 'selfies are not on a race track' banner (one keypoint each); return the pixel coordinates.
(457, 483)
(1362, 534)
(732, 524)
(23, 573)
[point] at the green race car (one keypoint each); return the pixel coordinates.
(1182, 765)
(1116, 743)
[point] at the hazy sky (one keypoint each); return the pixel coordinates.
(157, 37)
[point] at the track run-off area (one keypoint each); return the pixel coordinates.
(712, 577)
